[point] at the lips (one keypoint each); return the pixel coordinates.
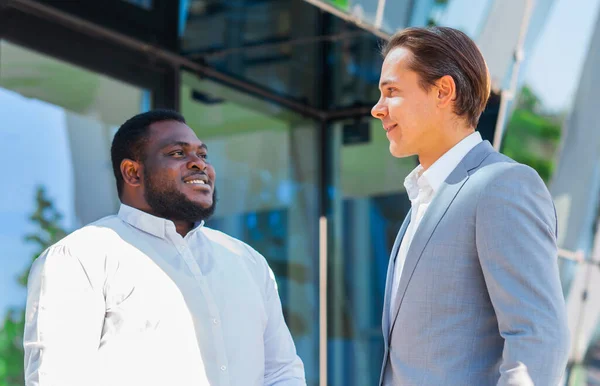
(390, 127)
(197, 180)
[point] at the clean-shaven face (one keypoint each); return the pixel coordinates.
(408, 112)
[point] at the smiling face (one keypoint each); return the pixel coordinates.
(408, 113)
(178, 181)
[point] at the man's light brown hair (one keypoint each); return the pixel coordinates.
(439, 51)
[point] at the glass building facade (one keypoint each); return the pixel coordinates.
(281, 91)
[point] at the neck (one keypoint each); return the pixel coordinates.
(183, 227)
(440, 146)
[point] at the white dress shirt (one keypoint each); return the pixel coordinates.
(128, 301)
(421, 186)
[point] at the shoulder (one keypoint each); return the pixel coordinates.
(88, 246)
(83, 251)
(98, 236)
(497, 171)
(506, 186)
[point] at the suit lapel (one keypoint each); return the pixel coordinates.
(433, 216)
(423, 233)
(390, 276)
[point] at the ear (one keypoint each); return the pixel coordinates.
(131, 172)
(446, 91)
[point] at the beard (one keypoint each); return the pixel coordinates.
(169, 203)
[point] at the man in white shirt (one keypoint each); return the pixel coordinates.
(473, 295)
(151, 296)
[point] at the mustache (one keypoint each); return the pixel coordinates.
(196, 174)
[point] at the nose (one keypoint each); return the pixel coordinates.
(196, 162)
(379, 111)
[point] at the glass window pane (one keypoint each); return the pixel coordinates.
(269, 43)
(146, 4)
(267, 179)
(355, 65)
(369, 205)
(58, 122)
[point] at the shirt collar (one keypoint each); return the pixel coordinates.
(148, 223)
(412, 182)
(441, 169)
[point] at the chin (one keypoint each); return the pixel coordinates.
(204, 204)
(398, 152)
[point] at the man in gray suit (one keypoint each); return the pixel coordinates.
(473, 295)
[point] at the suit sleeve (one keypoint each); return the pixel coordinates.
(516, 244)
(63, 322)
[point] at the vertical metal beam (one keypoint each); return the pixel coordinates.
(167, 95)
(323, 93)
(507, 95)
(379, 14)
(323, 301)
(169, 9)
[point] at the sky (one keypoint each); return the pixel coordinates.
(554, 64)
(558, 57)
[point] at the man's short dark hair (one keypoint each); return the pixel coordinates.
(130, 140)
(440, 51)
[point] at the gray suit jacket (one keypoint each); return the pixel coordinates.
(479, 300)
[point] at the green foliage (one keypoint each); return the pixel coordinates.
(532, 137)
(528, 100)
(11, 351)
(342, 4)
(528, 123)
(47, 220)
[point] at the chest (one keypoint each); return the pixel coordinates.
(169, 291)
(448, 267)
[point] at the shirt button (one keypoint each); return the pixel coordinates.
(223, 368)
(215, 321)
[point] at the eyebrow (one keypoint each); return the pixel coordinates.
(183, 144)
(386, 83)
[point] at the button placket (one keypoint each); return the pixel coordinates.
(186, 254)
(213, 310)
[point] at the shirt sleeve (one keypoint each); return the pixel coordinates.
(283, 367)
(63, 321)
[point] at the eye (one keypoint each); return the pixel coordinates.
(392, 90)
(176, 153)
(203, 156)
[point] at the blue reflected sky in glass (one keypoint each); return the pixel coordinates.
(35, 150)
(557, 59)
(465, 15)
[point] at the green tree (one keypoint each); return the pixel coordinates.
(532, 137)
(528, 100)
(47, 221)
(342, 4)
